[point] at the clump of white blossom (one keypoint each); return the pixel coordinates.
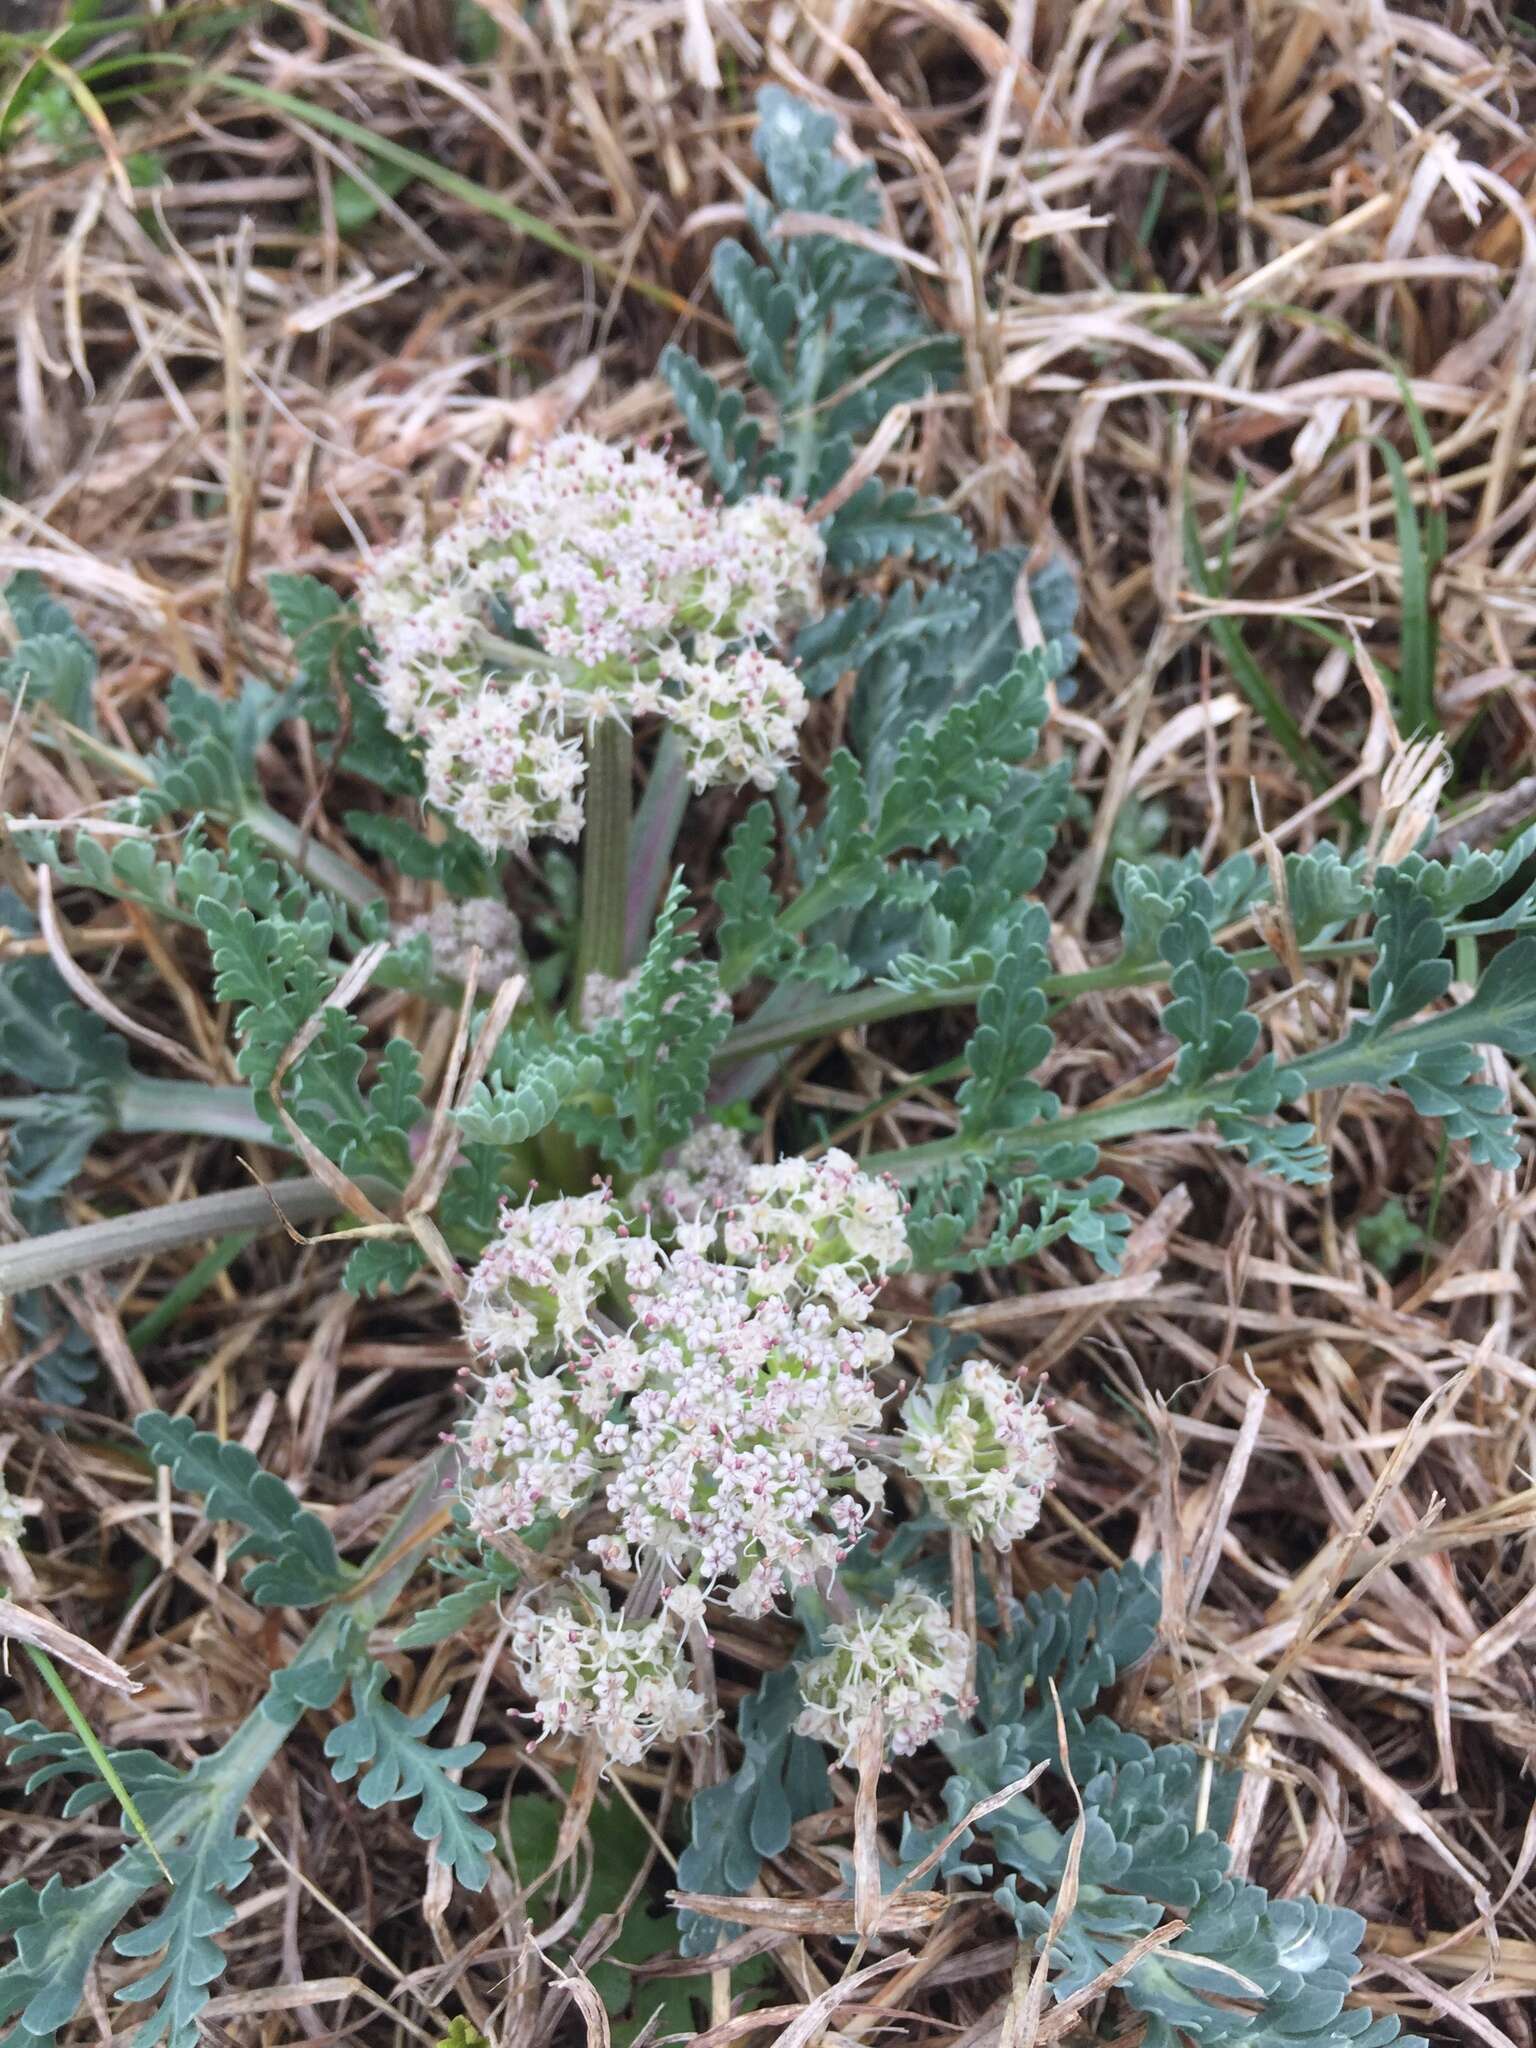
(982, 1452)
(707, 1175)
(13, 1515)
(641, 598)
(454, 928)
(590, 1671)
(541, 1277)
(603, 997)
(502, 763)
(721, 1433)
(819, 1227)
(907, 1658)
(719, 1411)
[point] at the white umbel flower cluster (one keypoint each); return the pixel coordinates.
(720, 1433)
(542, 1275)
(708, 1174)
(591, 1672)
(982, 1453)
(819, 1227)
(642, 598)
(452, 929)
(721, 1426)
(908, 1659)
(603, 997)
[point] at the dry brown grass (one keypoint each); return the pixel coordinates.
(1180, 243)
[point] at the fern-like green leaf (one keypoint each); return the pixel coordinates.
(1080, 1640)
(1012, 1037)
(947, 777)
(653, 1063)
(959, 1222)
(1209, 1014)
(298, 1563)
(202, 1876)
(1323, 892)
(481, 1580)
(384, 1265)
(390, 1751)
(749, 939)
(525, 1088)
(877, 525)
(1411, 970)
(1447, 1084)
(57, 1933)
(452, 858)
(56, 669)
(735, 1824)
(828, 332)
(717, 422)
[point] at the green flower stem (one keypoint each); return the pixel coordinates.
(193, 1108)
(326, 869)
(1365, 1060)
(605, 854)
(813, 904)
(513, 658)
(873, 1005)
(1160, 1109)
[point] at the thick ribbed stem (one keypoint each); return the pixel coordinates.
(605, 854)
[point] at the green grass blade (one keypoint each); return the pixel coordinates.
(1420, 631)
(53, 1679)
(414, 164)
(1246, 672)
(187, 1290)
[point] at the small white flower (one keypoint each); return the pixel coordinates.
(721, 1432)
(639, 596)
(528, 1452)
(501, 765)
(820, 1226)
(708, 1174)
(452, 928)
(13, 1515)
(982, 1453)
(589, 1671)
(782, 556)
(611, 1552)
(739, 718)
(907, 1658)
(685, 1604)
(541, 1277)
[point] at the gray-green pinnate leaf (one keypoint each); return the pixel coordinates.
(203, 1874)
(1011, 1038)
(749, 1815)
(298, 1565)
(388, 1754)
(57, 1933)
(1081, 1640)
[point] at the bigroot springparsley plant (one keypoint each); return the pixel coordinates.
(684, 1401)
